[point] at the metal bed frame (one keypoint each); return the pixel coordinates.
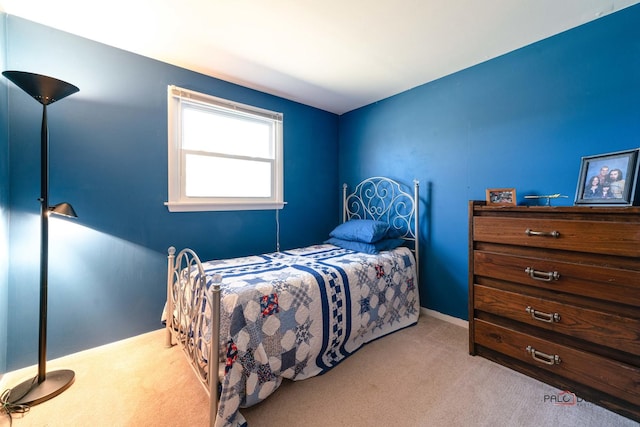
(384, 199)
(195, 303)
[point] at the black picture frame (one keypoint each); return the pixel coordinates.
(608, 179)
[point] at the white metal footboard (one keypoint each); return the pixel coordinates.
(193, 319)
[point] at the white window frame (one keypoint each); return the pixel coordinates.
(178, 200)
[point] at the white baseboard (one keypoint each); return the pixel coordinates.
(445, 317)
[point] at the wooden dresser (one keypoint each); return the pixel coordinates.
(554, 293)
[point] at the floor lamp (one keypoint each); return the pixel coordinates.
(46, 90)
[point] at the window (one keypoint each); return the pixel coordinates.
(222, 155)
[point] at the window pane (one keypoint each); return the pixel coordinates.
(223, 177)
(223, 155)
(216, 131)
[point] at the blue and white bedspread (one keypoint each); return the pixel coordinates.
(298, 313)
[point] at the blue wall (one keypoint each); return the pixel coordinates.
(523, 120)
(108, 157)
(4, 204)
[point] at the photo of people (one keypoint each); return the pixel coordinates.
(607, 179)
(501, 196)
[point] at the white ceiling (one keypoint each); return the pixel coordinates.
(336, 55)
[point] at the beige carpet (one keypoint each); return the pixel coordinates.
(421, 376)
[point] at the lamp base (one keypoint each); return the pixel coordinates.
(30, 392)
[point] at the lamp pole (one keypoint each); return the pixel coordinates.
(44, 245)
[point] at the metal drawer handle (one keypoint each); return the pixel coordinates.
(545, 276)
(542, 316)
(541, 357)
(530, 232)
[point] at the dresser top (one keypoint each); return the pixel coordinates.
(481, 206)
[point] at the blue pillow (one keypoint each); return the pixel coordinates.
(361, 230)
(393, 233)
(368, 248)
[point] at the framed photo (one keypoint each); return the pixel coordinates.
(501, 196)
(608, 179)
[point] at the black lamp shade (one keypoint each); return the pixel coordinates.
(64, 209)
(44, 89)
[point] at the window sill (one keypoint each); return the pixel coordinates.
(222, 206)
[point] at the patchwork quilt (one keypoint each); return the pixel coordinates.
(298, 313)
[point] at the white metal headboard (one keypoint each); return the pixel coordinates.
(383, 199)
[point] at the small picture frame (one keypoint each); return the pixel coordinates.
(608, 179)
(501, 196)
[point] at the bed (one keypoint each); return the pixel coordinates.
(247, 323)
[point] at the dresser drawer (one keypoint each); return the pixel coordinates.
(601, 237)
(595, 326)
(612, 377)
(610, 284)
